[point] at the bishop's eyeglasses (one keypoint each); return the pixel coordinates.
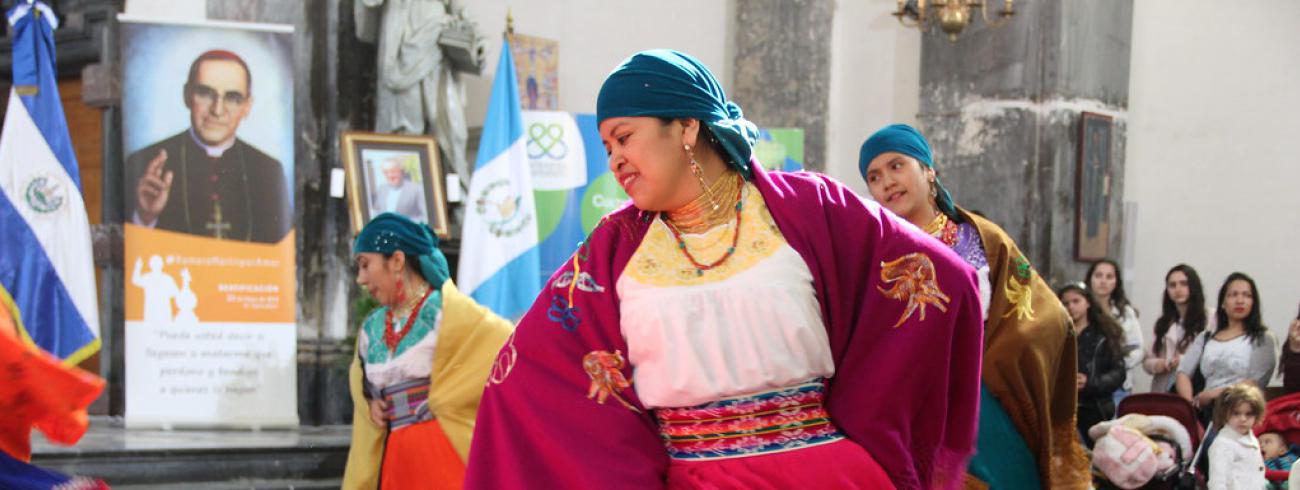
(207, 96)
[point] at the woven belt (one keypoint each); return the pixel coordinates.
(408, 403)
(762, 423)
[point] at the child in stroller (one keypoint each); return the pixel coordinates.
(1281, 418)
(1169, 427)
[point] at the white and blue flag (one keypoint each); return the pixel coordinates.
(499, 256)
(47, 280)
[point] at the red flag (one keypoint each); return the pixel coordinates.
(38, 391)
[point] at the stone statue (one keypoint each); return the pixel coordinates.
(419, 88)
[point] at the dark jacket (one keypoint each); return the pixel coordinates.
(1290, 367)
(1105, 370)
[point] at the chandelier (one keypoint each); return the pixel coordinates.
(952, 15)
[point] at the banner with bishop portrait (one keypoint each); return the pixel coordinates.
(209, 242)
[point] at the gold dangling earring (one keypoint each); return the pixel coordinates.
(699, 175)
(934, 198)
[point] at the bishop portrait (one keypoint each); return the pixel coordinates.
(204, 180)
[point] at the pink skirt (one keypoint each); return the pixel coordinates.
(841, 465)
(776, 439)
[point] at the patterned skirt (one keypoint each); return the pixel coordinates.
(775, 439)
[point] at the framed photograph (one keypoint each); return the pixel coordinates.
(394, 173)
(1092, 191)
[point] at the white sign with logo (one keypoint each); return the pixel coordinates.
(555, 150)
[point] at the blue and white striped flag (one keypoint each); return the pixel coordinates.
(499, 257)
(47, 279)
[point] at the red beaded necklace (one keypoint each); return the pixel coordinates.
(735, 238)
(392, 338)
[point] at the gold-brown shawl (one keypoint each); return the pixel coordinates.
(1030, 359)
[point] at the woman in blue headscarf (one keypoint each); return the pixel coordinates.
(732, 328)
(1027, 392)
(422, 359)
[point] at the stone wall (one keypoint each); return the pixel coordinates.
(1002, 108)
(783, 68)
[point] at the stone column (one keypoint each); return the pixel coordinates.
(783, 68)
(1002, 106)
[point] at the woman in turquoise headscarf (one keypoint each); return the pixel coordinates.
(422, 359)
(732, 328)
(1026, 434)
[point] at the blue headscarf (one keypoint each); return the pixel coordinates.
(672, 84)
(390, 232)
(905, 139)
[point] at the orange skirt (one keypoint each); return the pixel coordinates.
(419, 456)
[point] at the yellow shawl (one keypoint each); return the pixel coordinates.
(1030, 359)
(468, 340)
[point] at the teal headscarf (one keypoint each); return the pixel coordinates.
(672, 84)
(905, 139)
(390, 232)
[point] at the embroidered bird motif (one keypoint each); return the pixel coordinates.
(585, 282)
(912, 279)
(606, 371)
(1019, 291)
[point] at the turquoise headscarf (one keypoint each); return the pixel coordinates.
(905, 139)
(672, 84)
(390, 232)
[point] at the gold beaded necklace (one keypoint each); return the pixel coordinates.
(700, 268)
(702, 214)
(944, 229)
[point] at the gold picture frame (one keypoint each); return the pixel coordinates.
(383, 172)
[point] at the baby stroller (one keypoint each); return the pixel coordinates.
(1181, 475)
(1167, 404)
(1283, 417)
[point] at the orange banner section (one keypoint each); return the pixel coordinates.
(175, 278)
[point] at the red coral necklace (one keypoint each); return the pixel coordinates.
(392, 338)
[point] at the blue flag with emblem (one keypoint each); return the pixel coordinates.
(499, 256)
(47, 280)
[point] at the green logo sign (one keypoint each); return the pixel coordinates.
(603, 195)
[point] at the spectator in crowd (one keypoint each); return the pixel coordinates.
(1238, 349)
(1101, 364)
(1290, 366)
(1107, 284)
(1182, 318)
(1235, 458)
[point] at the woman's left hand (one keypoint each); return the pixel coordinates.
(377, 413)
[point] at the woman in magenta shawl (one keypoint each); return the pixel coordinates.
(732, 327)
